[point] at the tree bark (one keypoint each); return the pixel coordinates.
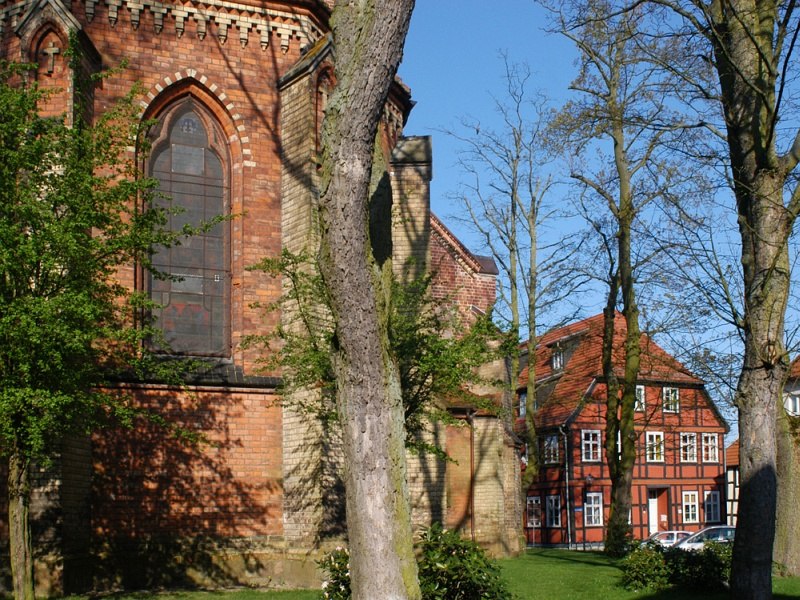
(368, 38)
(743, 35)
(787, 526)
(19, 526)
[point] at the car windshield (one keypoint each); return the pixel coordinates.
(722, 533)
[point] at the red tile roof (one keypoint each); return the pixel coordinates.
(732, 454)
(794, 369)
(560, 392)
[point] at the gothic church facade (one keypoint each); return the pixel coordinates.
(236, 93)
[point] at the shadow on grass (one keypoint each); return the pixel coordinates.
(587, 557)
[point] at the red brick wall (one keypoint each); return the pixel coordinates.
(228, 484)
(455, 279)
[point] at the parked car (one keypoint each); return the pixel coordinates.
(717, 533)
(667, 538)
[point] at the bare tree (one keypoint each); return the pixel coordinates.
(618, 132)
(750, 46)
(505, 196)
(368, 36)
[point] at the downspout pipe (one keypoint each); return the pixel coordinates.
(471, 421)
(563, 430)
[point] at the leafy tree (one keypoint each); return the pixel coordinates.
(68, 222)
(368, 37)
(437, 355)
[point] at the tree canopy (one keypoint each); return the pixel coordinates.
(73, 212)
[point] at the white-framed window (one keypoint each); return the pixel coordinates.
(654, 447)
(712, 506)
(690, 507)
(550, 454)
(689, 447)
(553, 511)
(710, 447)
(523, 399)
(672, 399)
(590, 445)
(792, 404)
(534, 510)
(557, 359)
(640, 403)
(593, 509)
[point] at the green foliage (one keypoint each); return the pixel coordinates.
(450, 568)
(708, 569)
(645, 569)
(453, 568)
(73, 211)
(337, 568)
(651, 567)
(437, 357)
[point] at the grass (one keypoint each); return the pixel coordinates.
(540, 573)
(565, 575)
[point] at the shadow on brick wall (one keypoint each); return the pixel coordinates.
(169, 510)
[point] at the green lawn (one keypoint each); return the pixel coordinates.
(551, 574)
(565, 575)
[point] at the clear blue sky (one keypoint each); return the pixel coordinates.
(452, 65)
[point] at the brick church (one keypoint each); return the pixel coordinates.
(236, 92)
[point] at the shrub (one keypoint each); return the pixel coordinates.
(708, 569)
(645, 569)
(337, 583)
(450, 568)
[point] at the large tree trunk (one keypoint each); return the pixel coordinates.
(787, 526)
(744, 35)
(764, 229)
(368, 37)
(620, 442)
(19, 526)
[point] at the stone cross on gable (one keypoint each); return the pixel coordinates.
(51, 52)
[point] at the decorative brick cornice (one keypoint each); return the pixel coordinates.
(221, 18)
(459, 250)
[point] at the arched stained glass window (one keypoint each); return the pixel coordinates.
(195, 308)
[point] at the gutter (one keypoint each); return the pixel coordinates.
(563, 429)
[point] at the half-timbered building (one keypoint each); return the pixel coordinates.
(678, 479)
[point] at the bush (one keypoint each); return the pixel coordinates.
(645, 569)
(450, 568)
(709, 569)
(337, 583)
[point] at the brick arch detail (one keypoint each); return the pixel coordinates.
(189, 82)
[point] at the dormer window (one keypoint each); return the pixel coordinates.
(557, 359)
